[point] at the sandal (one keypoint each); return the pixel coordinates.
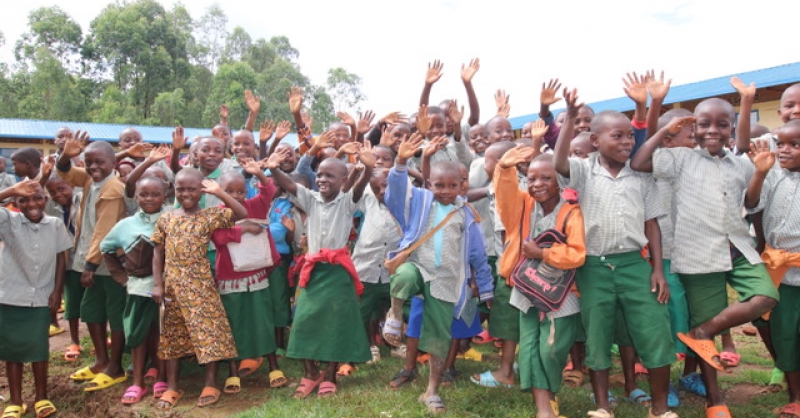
(393, 331)
(719, 411)
(423, 358)
(487, 379)
(135, 393)
(472, 355)
(673, 397)
(151, 376)
(403, 377)
(345, 370)
(693, 383)
(43, 408)
(55, 330)
(668, 414)
(600, 413)
(277, 379)
(791, 410)
(639, 397)
(573, 378)
(168, 399)
(159, 388)
(729, 359)
(433, 403)
(448, 377)
(326, 390)
(483, 338)
(232, 385)
(307, 386)
(703, 348)
(399, 352)
(72, 353)
(376, 354)
(249, 365)
(13, 411)
(208, 392)
(777, 380)
(639, 369)
(104, 381)
(83, 375)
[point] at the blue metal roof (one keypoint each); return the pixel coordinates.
(765, 77)
(46, 129)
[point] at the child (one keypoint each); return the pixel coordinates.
(440, 265)
(325, 326)
(620, 209)
(281, 228)
(32, 264)
(27, 162)
(776, 192)
(545, 341)
(246, 294)
(193, 318)
(63, 204)
(6, 179)
(709, 184)
(102, 206)
(134, 270)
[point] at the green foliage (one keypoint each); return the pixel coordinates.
(228, 88)
(51, 28)
(345, 89)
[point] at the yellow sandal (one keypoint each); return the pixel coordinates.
(44, 408)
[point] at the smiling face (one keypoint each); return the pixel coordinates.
(223, 133)
(790, 104)
(378, 183)
(438, 126)
(188, 188)
(33, 206)
(714, 125)
(542, 181)
(384, 157)
(233, 183)
(613, 137)
(445, 183)
(788, 146)
(498, 129)
(477, 139)
(244, 145)
(150, 194)
(398, 132)
(128, 138)
(99, 160)
(341, 134)
(59, 191)
(61, 137)
(584, 121)
(210, 152)
(330, 177)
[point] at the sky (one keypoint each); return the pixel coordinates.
(588, 45)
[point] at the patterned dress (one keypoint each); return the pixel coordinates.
(194, 320)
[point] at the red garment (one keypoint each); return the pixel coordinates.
(257, 208)
(341, 257)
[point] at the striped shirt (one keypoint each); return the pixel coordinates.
(780, 198)
(614, 208)
(446, 279)
(328, 224)
(706, 208)
(380, 234)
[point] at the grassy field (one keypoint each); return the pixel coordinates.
(366, 393)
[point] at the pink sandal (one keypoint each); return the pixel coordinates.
(729, 359)
(159, 388)
(134, 392)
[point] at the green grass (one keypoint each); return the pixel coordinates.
(366, 393)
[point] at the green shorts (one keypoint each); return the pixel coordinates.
(707, 295)
(503, 318)
(374, 302)
(25, 332)
(541, 363)
(104, 301)
(138, 319)
(621, 282)
(785, 329)
(73, 295)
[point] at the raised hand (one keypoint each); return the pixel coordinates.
(454, 113)
(250, 166)
(539, 128)
(280, 155)
(501, 100)
(763, 158)
(282, 130)
(744, 90)
(386, 137)
(324, 141)
(265, 130)
(211, 187)
(346, 118)
(409, 146)
(434, 72)
(73, 145)
(160, 152)
(517, 155)
(434, 145)
(366, 155)
(25, 188)
(657, 88)
(468, 70)
(677, 124)
(47, 166)
(635, 87)
(547, 96)
(504, 111)
(424, 120)
(365, 122)
(224, 112)
(571, 99)
(350, 148)
(253, 102)
(393, 118)
(138, 149)
(178, 140)
(295, 96)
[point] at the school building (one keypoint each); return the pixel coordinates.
(770, 83)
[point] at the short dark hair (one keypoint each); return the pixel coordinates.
(28, 155)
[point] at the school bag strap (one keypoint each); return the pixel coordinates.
(401, 257)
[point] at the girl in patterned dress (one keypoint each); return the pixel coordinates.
(193, 318)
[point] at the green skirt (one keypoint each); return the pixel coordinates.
(250, 316)
(25, 334)
(327, 321)
(138, 318)
(280, 294)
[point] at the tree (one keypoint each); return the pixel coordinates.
(211, 35)
(236, 45)
(260, 55)
(228, 88)
(345, 89)
(321, 108)
(272, 85)
(170, 108)
(283, 48)
(51, 28)
(48, 92)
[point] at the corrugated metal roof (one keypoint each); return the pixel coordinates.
(765, 77)
(46, 129)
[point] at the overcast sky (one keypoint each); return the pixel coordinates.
(588, 44)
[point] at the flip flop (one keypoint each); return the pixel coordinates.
(791, 410)
(486, 379)
(170, 397)
(249, 365)
(472, 355)
(729, 359)
(639, 397)
(668, 414)
(448, 377)
(83, 375)
(392, 331)
(208, 392)
(232, 385)
(55, 330)
(159, 388)
(573, 378)
(483, 338)
(277, 379)
(403, 377)
(345, 370)
(600, 413)
(104, 381)
(719, 411)
(307, 386)
(326, 390)
(13, 411)
(134, 392)
(151, 376)
(639, 369)
(433, 403)
(693, 383)
(43, 408)
(72, 353)
(673, 397)
(703, 348)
